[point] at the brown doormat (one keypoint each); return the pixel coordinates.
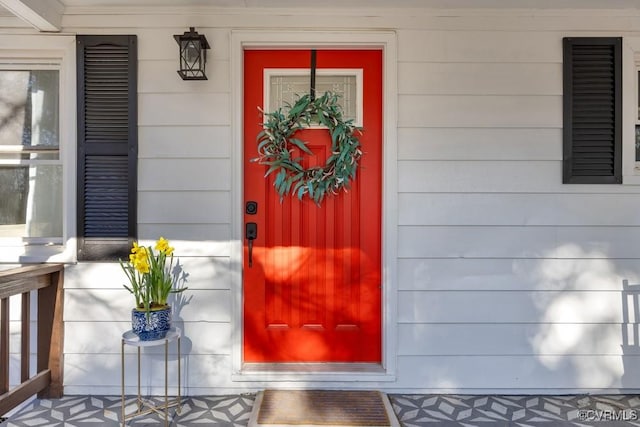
(323, 408)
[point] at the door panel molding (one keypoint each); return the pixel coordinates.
(387, 41)
(313, 293)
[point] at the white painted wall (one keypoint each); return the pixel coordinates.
(508, 280)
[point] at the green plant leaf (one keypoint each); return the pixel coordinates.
(300, 191)
(301, 145)
(299, 106)
(291, 177)
(272, 169)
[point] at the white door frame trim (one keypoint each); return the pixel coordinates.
(387, 41)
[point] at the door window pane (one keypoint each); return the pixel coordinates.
(284, 87)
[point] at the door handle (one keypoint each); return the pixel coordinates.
(251, 233)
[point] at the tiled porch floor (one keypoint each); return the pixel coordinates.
(412, 410)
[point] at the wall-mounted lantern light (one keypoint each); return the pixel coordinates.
(193, 55)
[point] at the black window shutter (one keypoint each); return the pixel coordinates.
(107, 146)
(592, 110)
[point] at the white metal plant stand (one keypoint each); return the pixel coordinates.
(145, 406)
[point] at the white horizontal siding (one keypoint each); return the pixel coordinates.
(508, 279)
(502, 307)
(198, 371)
(448, 373)
(114, 305)
(200, 207)
(196, 239)
(521, 339)
(469, 144)
(479, 46)
(511, 209)
(479, 78)
(184, 174)
(181, 109)
(493, 177)
(525, 373)
(204, 273)
(519, 242)
(182, 142)
(509, 274)
(84, 335)
(508, 111)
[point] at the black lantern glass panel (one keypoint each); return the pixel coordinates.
(193, 55)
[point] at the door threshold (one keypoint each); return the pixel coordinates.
(333, 368)
(321, 372)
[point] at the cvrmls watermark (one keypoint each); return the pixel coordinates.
(608, 415)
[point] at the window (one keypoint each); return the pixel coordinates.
(37, 137)
(592, 110)
(30, 163)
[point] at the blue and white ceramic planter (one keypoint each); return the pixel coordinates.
(152, 327)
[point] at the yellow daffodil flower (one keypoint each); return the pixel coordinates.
(162, 245)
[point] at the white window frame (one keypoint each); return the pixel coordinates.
(630, 102)
(48, 52)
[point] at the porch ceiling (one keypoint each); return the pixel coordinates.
(448, 4)
(46, 15)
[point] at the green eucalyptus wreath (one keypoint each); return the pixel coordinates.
(276, 141)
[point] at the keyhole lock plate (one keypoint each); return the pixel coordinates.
(251, 208)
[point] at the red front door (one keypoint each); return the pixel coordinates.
(313, 292)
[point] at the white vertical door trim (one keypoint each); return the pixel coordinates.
(387, 41)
